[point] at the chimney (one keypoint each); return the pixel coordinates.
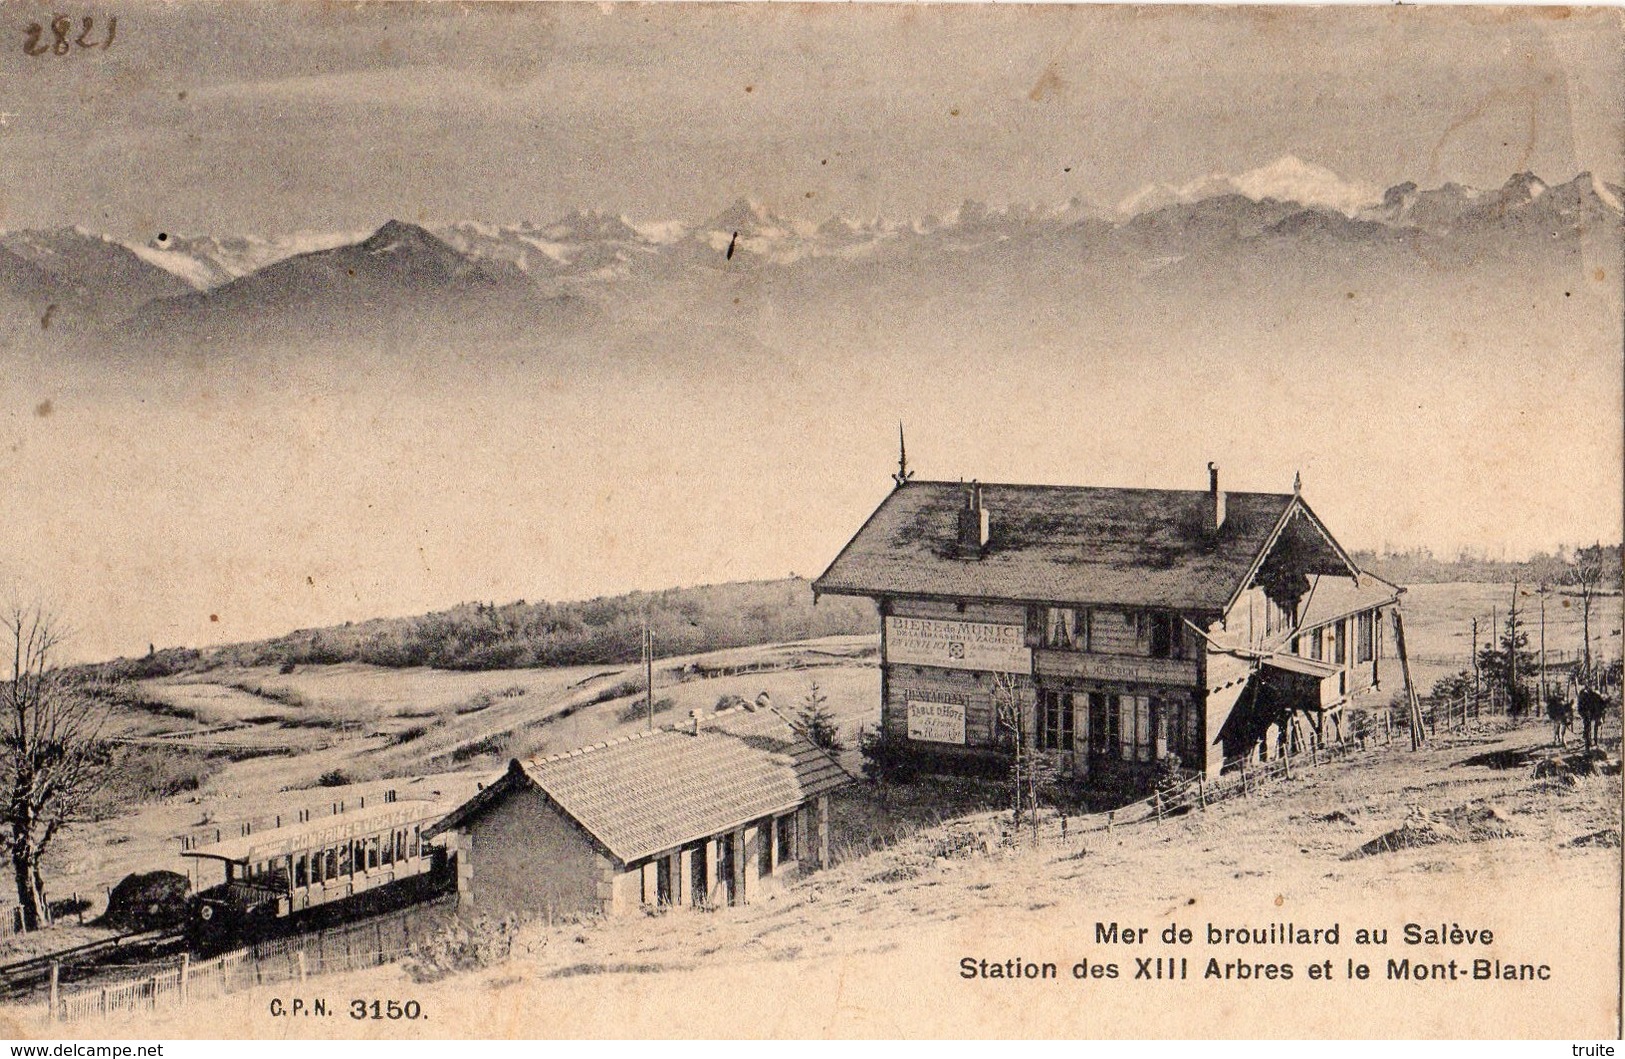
(1215, 498)
(694, 719)
(973, 524)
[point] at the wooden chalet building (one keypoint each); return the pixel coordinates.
(1130, 625)
(707, 813)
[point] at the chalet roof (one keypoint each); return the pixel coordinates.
(660, 789)
(1331, 598)
(1063, 544)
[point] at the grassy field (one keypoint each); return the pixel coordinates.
(1439, 617)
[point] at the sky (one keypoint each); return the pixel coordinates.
(226, 499)
(341, 116)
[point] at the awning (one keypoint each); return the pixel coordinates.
(1307, 667)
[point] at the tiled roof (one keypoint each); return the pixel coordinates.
(660, 789)
(1060, 544)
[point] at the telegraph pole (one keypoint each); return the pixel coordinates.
(1475, 664)
(1542, 704)
(649, 671)
(1512, 647)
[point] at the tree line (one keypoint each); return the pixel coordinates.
(603, 631)
(1420, 566)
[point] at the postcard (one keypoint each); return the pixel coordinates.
(525, 519)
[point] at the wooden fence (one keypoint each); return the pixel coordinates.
(354, 946)
(1239, 777)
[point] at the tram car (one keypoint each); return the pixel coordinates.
(317, 872)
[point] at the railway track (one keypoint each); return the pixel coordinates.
(23, 978)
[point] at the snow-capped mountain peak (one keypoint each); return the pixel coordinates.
(1287, 179)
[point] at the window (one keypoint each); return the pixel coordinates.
(344, 858)
(764, 847)
(1172, 714)
(372, 852)
(1340, 646)
(1067, 628)
(1365, 628)
(1103, 720)
(412, 850)
(786, 834)
(1162, 633)
(301, 873)
(1058, 725)
(1316, 644)
(389, 849)
(1134, 727)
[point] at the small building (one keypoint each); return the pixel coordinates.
(709, 813)
(1124, 626)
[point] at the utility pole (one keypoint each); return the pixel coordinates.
(1542, 704)
(1475, 665)
(1512, 645)
(649, 671)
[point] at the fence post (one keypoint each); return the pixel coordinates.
(1157, 796)
(56, 981)
(1244, 777)
(1201, 790)
(378, 933)
(1110, 816)
(186, 977)
(301, 965)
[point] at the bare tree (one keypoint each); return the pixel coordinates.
(1586, 574)
(51, 755)
(1031, 772)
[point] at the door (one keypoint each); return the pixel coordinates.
(725, 867)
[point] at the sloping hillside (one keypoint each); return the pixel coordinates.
(877, 945)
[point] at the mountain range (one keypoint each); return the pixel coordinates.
(518, 277)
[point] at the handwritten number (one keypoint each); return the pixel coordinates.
(61, 43)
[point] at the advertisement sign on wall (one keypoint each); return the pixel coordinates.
(958, 645)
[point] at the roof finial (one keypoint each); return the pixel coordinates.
(903, 473)
(1297, 483)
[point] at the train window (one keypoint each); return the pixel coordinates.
(400, 845)
(414, 847)
(344, 859)
(358, 860)
(301, 871)
(372, 852)
(332, 871)
(389, 849)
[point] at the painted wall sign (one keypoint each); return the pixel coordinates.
(936, 722)
(1123, 668)
(958, 645)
